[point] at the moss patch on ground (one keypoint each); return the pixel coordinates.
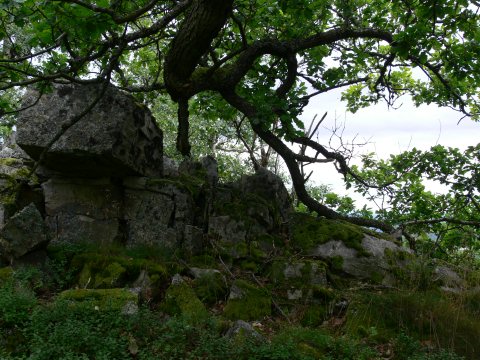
(101, 299)
(210, 288)
(6, 274)
(248, 303)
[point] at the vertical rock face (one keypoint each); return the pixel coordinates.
(83, 210)
(102, 179)
(117, 137)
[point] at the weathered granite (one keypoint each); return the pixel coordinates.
(117, 137)
(23, 233)
(83, 210)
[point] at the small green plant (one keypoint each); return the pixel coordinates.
(16, 303)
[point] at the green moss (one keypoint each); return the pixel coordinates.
(376, 277)
(248, 265)
(249, 209)
(210, 288)
(307, 232)
(100, 270)
(203, 261)
(109, 277)
(180, 299)
(314, 315)
(336, 263)
(6, 274)
(10, 162)
(322, 294)
(100, 298)
(253, 304)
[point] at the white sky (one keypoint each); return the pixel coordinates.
(388, 131)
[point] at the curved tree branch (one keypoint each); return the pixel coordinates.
(290, 160)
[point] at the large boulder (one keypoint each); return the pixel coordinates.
(349, 249)
(257, 208)
(23, 233)
(270, 187)
(377, 260)
(117, 137)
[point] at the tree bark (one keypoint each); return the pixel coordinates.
(203, 21)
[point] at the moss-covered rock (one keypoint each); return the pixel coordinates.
(298, 272)
(98, 270)
(6, 274)
(180, 299)
(109, 277)
(210, 286)
(102, 299)
(308, 232)
(247, 302)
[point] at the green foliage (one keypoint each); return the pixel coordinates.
(430, 316)
(61, 331)
(16, 303)
(409, 203)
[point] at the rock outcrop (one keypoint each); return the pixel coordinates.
(117, 137)
(101, 182)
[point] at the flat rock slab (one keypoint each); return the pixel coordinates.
(117, 137)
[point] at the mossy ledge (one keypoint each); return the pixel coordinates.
(308, 231)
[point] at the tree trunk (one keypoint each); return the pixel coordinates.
(203, 21)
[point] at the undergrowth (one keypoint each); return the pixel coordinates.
(35, 323)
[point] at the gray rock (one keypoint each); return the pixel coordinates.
(193, 240)
(177, 279)
(294, 294)
(447, 278)
(117, 137)
(198, 272)
(227, 229)
(10, 149)
(211, 168)
(305, 272)
(269, 186)
(236, 292)
(170, 167)
(156, 212)
(243, 328)
(130, 308)
(23, 233)
(376, 266)
(143, 286)
(292, 271)
(83, 210)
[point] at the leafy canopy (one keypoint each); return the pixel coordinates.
(257, 60)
